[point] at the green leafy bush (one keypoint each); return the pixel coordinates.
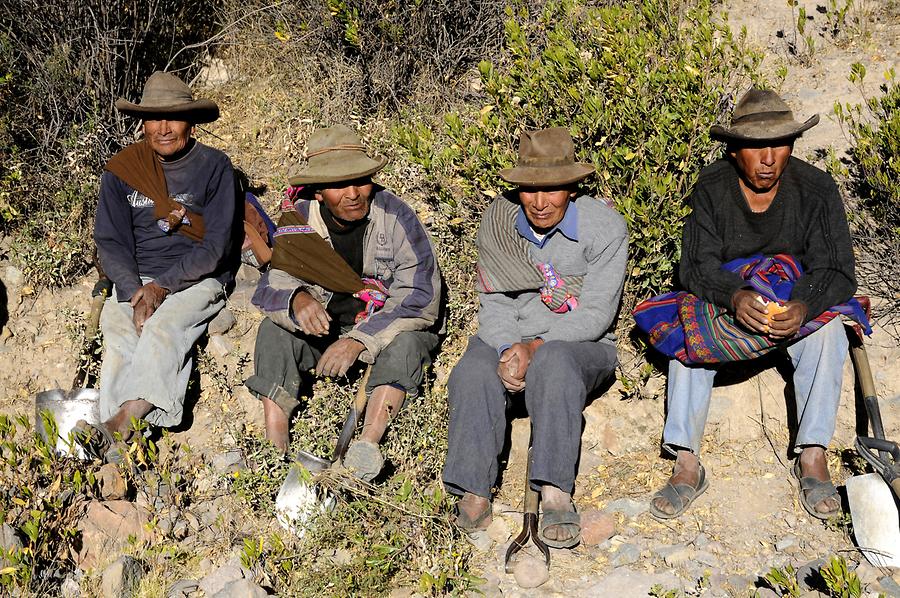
(874, 128)
(874, 176)
(637, 84)
(42, 496)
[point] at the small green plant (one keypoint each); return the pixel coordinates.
(42, 495)
(841, 582)
(784, 581)
(801, 37)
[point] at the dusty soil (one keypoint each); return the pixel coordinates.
(747, 522)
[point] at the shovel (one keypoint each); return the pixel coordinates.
(297, 499)
(873, 506)
(58, 410)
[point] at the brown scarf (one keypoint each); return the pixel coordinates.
(138, 166)
(303, 253)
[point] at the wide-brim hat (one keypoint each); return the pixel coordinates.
(336, 154)
(167, 95)
(546, 157)
(761, 115)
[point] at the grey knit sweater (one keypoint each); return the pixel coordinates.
(598, 254)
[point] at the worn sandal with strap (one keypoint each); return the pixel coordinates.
(95, 439)
(556, 518)
(814, 491)
(679, 496)
(469, 524)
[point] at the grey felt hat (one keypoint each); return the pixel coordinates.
(336, 154)
(167, 95)
(546, 157)
(761, 115)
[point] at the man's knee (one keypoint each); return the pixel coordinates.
(830, 338)
(553, 359)
(272, 337)
(403, 347)
(472, 371)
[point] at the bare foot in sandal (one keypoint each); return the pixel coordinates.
(473, 512)
(814, 465)
(560, 526)
(686, 476)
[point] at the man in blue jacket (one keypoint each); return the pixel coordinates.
(164, 236)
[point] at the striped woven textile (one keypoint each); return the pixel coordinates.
(684, 327)
(505, 266)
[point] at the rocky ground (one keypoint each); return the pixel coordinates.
(749, 520)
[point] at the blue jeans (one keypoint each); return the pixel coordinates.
(818, 361)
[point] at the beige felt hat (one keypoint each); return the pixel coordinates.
(167, 95)
(546, 157)
(761, 115)
(336, 154)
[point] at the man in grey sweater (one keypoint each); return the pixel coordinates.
(550, 271)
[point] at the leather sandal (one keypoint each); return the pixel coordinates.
(679, 496)
(469, 524)
(95, 439)
(557, 518)
(814, 491)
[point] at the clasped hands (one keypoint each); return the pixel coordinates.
(514, 364)
(750, 311)
(145, 301)
(312, 319)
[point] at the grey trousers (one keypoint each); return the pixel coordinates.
(557, 382)
(281, 358)
(156, 365)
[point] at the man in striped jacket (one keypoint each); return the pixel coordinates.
(354, 277)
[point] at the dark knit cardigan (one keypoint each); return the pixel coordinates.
(806, 219)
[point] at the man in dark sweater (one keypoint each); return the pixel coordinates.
(164, 236)
(361, 284)
(760, 200)
(551, 265)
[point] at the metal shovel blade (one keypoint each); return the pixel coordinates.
(875, 520)
(299, 502)
(66, 408)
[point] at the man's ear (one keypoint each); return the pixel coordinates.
(318, 195)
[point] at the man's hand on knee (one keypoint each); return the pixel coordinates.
(514, 364)
(310, 315)
(338, 357)
(750, 311)
(145, 301)
(787, 323)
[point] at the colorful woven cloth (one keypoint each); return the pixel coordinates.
(505, 265)
(693, 331)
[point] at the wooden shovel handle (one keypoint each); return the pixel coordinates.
(357, 407)
(90, 331)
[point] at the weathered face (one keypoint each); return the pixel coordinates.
(545, 206)
(762, 167)
(167, 137)
(350, 201)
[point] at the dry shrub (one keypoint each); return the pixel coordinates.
(364, 56)
(65, 63)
